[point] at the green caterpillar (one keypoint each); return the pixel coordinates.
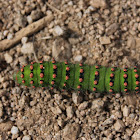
(79, 76)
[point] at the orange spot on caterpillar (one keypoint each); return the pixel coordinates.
(41, 75)
(64, 84)
(80, 64)
(81, 70)
(125, 84)
(125, 75)
(41, 62)
(110, 90)
(31, 67)
(137, 82)
(41, 82)
(41, 67)
(66, 62)
(54, 67)
(125, 70)
(96, 73)
(136, 88)
(31, 75)
(23, 81)
(112, 69)
(67, 77)
(111, 75)
(22, 76)
(79, 87)
(95, 82)
(97, 67)
(125, 89)
(52, 82)
(94, 89)
(54, 75)
(21, 69)
(135, 70)
(67, 68)
(80, 79)
(111, 84)
(31, 82)
(136, 75)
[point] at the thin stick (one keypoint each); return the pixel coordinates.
(27, 31)
(54, 9)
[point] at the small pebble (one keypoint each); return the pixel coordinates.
(27, 48)
(98, 3)
(105, 40)
(126, 111)
(83, 105)
(57, 31)
(119, 126)
(10, 36)
(24, 40)
(26, 138)
(69, 111)
(8, 58)
(14, 130)
(76, 98)
(78, 58)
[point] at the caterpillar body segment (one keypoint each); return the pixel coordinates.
(79, 76)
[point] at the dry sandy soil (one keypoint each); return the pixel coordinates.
(88, 31)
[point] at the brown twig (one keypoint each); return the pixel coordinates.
(54, 9)
(27, 31)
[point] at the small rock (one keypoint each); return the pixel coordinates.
(29, 19)
(76, 98)
(5, 126)
(112, 29)
(60, 122)
(78, 58)
(20, 20)
(56, 110)
(136, 135)
(22, 60)
(108, 121)
(57, 31)
(105, 40)
(10, 36)
(69, 111)
(26, 138)
(8, 58)
(119, 125)
(97, 104)
(83, 105)
(71, 131)
(24, 40)
(126, 111)
(129, 132)
(98, 3)
(5, 33)
(14, 130)
(36, 14)
(27, 48)
(131, 42)
(73, 41)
